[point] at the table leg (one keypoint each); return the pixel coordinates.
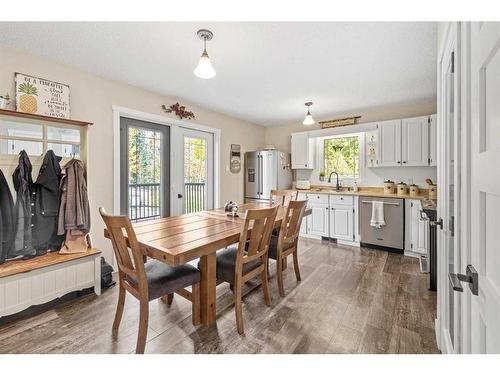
(208, 285)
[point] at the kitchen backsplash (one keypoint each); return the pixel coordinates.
(376, 176)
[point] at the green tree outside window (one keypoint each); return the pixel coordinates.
(342, 156)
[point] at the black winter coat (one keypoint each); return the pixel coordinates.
(7, 218)
(46, 198)
(23, 184)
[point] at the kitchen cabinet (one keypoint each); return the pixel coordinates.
(389, 140)
(333, 216)
(415, 141)
(303, 151)
(342, 223)
(407, 142)
(433, 140)
(318, 220)
(417, 228)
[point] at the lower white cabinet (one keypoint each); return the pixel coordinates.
(417, 228)
(342, 222)
(318, 220)
(332, 216)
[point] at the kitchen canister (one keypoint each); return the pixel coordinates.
(402, 188)
(388, 187)
(414, 190)
(433, 191)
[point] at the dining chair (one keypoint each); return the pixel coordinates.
(283, 197)
(149, 280)
(285, 244)
(238, 264)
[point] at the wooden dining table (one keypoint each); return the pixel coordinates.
(177, 240)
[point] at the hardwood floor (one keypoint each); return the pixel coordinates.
(350, 300)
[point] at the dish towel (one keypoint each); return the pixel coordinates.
(377, 219)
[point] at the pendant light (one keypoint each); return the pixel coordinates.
(308, 120)
(204, 68)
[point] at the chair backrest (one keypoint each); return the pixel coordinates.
(132, 266)
(261, 221)
(283, 197)
(290, 225)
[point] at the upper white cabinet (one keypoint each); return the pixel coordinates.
(403, 143)
(415, 141)
(389, 138)
(433, 140)
(302, 151)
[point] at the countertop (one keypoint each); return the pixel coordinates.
(377, 192)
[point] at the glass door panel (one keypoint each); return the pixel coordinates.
(145, 170)
(194, 190)
(195, 174)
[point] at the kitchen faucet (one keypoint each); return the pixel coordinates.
(337, 186)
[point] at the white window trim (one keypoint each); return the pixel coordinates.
(320, 162)
(174, 124)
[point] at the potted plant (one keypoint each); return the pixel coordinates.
(4, 101)
(322, 176)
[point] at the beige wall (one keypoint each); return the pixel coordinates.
(91, 100)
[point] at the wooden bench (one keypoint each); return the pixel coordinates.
(25, 283)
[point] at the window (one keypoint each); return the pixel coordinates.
(341, 154)
(36, 138)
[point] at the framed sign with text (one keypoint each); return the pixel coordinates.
(41, 96)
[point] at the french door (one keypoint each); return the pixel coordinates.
(194, 170)
(145, 169)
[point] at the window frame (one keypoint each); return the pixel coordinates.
(321, 157)
(44, 140)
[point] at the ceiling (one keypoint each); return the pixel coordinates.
(265, 71)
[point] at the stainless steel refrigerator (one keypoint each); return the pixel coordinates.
(265, 171)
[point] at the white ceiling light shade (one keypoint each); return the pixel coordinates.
(204, 68)
(308, 120)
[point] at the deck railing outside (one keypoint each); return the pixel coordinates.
(194, 196)
(145, 201)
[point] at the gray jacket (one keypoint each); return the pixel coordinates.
(74, 211)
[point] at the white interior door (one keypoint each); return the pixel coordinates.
(449, 256)
(485, 185)
(193, 188)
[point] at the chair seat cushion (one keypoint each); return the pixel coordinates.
(226, 264)
(273, 247)
(164, 279)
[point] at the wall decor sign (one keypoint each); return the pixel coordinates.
(41, 96)
(235, 158)
(179, 110)
(339, 122)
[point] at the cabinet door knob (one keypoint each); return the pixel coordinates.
(399, 162)
(404, 162)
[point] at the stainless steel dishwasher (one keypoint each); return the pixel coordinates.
(390, 235)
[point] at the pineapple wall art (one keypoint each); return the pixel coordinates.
(41, 96)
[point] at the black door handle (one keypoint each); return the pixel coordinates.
(179, 195)
(470, 277)
(436, 223)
